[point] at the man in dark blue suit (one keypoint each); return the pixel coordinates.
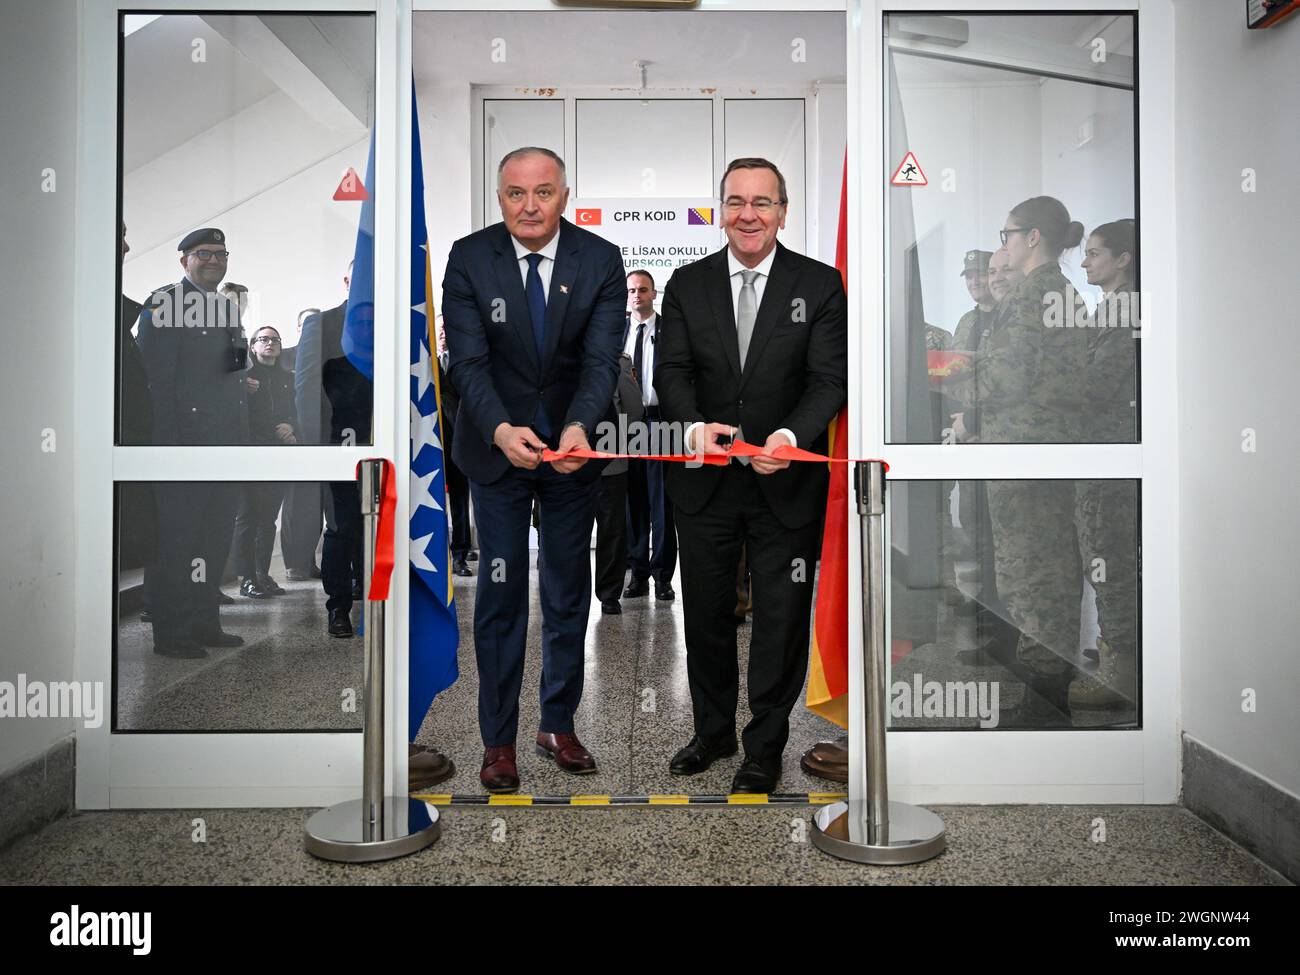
(533, 310)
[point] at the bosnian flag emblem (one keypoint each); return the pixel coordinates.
(700, 215)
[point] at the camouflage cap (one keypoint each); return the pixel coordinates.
(976, 261)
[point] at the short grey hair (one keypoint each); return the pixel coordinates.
(532, 151)
(753, 162)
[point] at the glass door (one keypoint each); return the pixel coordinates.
(248, 161)
(1011, 369)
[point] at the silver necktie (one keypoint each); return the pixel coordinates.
(746, 312)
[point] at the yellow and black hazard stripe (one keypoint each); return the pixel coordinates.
(653, 799)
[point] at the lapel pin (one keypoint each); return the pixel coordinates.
(564, 289)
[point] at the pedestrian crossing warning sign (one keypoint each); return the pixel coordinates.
(909, 173)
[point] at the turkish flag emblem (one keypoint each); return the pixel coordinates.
(351, 187)
(588, 216)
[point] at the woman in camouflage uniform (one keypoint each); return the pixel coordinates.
(1025, 380)
(1107, 509)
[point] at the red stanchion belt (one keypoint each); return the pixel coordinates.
(382, 572)
(738, 448)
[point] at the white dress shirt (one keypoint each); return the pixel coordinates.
(764, 269)
(648, 395)
(544, 267)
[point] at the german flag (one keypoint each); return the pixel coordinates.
(828, 678)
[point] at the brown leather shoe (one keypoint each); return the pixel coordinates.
(499, 772)
(426, 767)
(566, 751)
(828, 760)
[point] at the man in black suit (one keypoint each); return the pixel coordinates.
(457, 486)
(753, 344)
(651, 535)
(302, 516)
(611, 512)
(335, 405)
(533, 311)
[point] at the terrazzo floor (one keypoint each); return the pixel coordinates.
(1039, 845)
(635, 713)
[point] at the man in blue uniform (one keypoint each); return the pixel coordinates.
(194, 353)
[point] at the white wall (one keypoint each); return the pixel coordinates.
(1095, 180)
(829, 114)
(38, 58)
(989, 136)
(1006, 140)
(1238, 355)
(290, 243)
(448, 163)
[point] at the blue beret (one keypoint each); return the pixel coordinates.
(205, 235)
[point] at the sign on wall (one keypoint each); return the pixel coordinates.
(659, 235)
(1267, 13)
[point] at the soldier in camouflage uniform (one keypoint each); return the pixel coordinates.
(1025, 382)
(975, 271)
(961, 425)
(1107, 509)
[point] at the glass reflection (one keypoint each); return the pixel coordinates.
(1015, 604)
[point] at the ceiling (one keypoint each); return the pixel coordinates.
(171, 97)
(683, 48)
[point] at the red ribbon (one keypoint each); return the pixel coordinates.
(738, 448)
(382, 572)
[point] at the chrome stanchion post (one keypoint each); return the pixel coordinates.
(867, 827)
(372, 628)
(374, 827)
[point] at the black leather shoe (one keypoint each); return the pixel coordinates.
(636, 589)
(340, 623)
(461, 568)
(664, 592)
(473, 555)
(698, 756)
(146, 616)
(252, 590)
(182, 649)
(217, 638)
(356, 591)
(611, 607)
(753, 778)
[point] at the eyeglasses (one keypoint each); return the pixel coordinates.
(206, 255)
(267, 340)
(1004, 234)
(762, 205)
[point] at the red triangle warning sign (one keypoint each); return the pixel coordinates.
(909, 173)
(351, 187)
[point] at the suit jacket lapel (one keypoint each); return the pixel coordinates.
(557, 299)
(776, 299)
(724, 313)
(506, 267)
